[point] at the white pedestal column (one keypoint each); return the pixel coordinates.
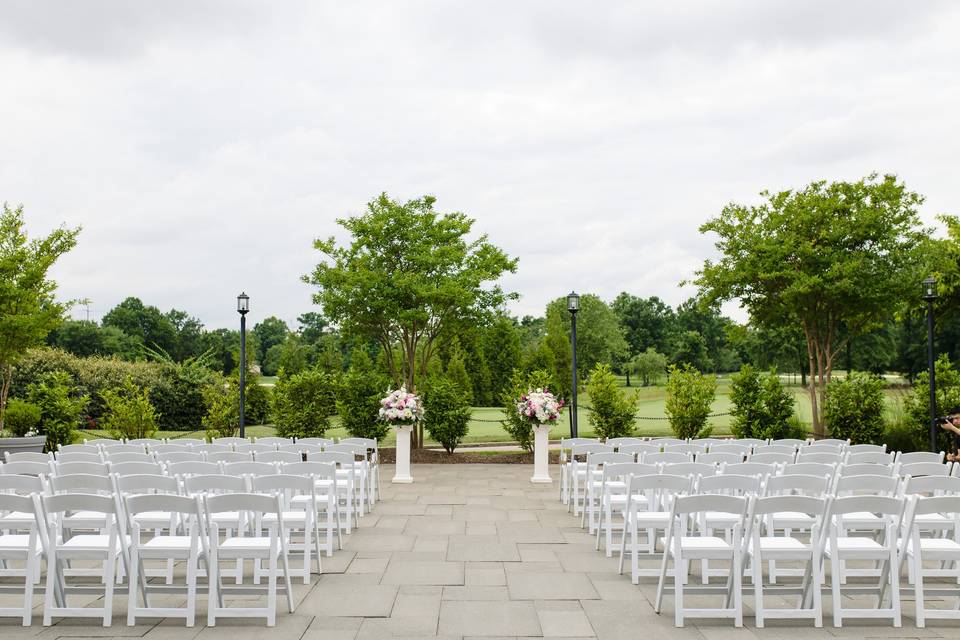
(402, 474)
(541, 444)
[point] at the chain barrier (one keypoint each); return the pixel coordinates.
(589, 408)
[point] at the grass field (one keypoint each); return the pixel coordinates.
(651, 421)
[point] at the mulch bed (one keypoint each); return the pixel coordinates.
(464, 456)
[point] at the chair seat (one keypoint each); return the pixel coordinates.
(153, 516)
(240, 542)
(88, 542)
(16, 520)
(289, 517)
(17, 542)
(935, 545)
(167, 542)
(862, 520)
(700, 546)
(781, 518)
(934, 521)
(781, 543)
(653, 517)
(857, 546)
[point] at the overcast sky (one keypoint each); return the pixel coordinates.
(202, 145)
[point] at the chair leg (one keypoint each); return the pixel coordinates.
(895, 585)
(835, 588)
(757, 567)
(736, 571)
(272, 589)
(52, 579)
(816, 571)
(132, 591)
(108, 577)
(28, 586)
(214, 597)
(191, 589)
(678, 563)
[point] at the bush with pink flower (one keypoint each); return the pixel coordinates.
(539, 406)
(401, 408)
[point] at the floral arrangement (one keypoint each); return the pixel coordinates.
(539, 406)
(401, 408)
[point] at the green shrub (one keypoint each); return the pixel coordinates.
(457, 374)
(796, 429)
(649, 366)
(358, 403)
(520, 383)
(129, 412)
(613, 413)
(446, 415)
(854, 408)
(303, 403)
(256, 402)
(222, 397)
(761, 406)
(916, 404)
(689, 397)
(21, 417)
(61, 407)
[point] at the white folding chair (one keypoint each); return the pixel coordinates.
(28, 456)
(118, 448)
(136, 468)
(743, 450)
(827, 457)
(320, 442)
(810, 469)
(25, 468)
(914, 469)
(750, 469)
(230, 456)
(192, 468)
(72, 468)
(248, 468)
(613, 497)
(78, 456)
(673, 457)
(21, 543)
(683, 548)
(840, 548)
(649, 508)
(271, 548)
(638, 450)
(169, 457)
(156, 521)
(687, 448)
(577, 472)
(373, 458)
(254, 447)
(273, 440)
(795, 484)
(764, 457)
(771, 547)
(191, 547)
(347, 474)
(864, 448)
(711, 521)
(230, 441)
(117, 458)
(869, 457)
(567, 444)
(593, 481)
(916, 549)
(364, 477)
(302, 520)
(719, 458)
(278, 456)
(105, 546)
(616, 443)
(919, 456)
(324, 476)
(207, 449)
(234, 522)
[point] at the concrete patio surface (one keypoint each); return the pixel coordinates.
(469, 551)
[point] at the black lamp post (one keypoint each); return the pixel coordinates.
(930, 294)
(243, 306)
(573, 305)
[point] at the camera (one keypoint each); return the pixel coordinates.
(944, 419)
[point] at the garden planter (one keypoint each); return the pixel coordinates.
(21, 445)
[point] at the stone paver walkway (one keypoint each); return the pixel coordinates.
(469, 551)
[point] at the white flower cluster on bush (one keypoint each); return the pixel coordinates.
(401, 407)
(540, 406)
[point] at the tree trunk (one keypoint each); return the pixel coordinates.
(628, 377)
(4, 392)
(812, 386)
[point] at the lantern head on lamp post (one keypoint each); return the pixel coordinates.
(243, 307)
(930, 295)
(573, 306)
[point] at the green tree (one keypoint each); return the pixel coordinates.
(827, 256)
(691, 349)
(854, 408)
(303, 404)
(129, 412)
(188, 335)
(916, 404)
(690, 395)
(84, 338)
(501, 352)
(614, 412)
(646, 322)
(457, 374)
(269, 331)
(408, 274)
(312, 326)
(358, 398)
(650, 366)
(61, 407)
(761, 406)
(28, 309)
(599, 338)
(446, 413)
(144, 323)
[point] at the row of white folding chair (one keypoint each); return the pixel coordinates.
(196, 484)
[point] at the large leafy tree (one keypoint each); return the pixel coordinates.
(270, 332)
(826, 257)
(501, 351)
(408, 274)
(646, 322)
(28, 309)
(599, 337)
(144, 323)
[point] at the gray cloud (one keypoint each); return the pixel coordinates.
(203, 145)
